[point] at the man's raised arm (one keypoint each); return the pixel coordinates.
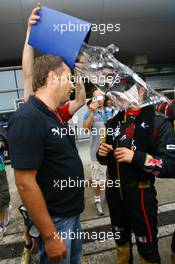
(28, 56)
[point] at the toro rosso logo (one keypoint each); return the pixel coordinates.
(154, 162)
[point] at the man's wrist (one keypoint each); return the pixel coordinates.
(91, 110)
(51, 235)
(27, 35)
(28, 31)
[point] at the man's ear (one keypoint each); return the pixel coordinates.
(52, 78)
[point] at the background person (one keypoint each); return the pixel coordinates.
(168, 109)
(109, 108)
(95, 120)
(5, 208)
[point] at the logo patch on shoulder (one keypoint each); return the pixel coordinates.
(170, 147)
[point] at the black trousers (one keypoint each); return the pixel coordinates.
(173, 243)
(136, 213)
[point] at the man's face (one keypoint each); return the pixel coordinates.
(64, 84)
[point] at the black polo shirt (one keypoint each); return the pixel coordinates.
(38, 140)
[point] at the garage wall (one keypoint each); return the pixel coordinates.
(11, 88)
(162, 82)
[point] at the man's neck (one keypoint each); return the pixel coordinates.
(50, 102)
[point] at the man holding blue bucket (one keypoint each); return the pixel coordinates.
(45, 159)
